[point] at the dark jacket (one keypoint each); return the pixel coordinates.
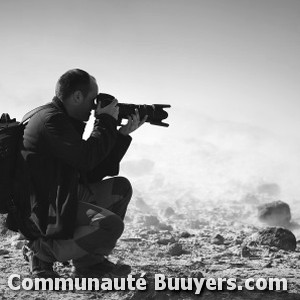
(53, 159)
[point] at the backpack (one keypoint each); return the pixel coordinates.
(11, 133)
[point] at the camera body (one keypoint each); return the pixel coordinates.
(155, 112)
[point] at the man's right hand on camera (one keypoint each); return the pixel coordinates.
(111, 109)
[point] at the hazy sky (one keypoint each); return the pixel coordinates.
(235, 60)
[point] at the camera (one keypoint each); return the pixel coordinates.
(155, 112)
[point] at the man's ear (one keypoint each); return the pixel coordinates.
(78, 97)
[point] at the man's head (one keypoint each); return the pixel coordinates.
(77, 90)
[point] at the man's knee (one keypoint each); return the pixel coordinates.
(112, 224)
(122, 187)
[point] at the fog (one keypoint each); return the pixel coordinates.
(213, 161)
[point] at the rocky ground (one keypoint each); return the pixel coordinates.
(211, 241)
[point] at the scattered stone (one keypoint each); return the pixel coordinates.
(268, 265)
(164, 226)
(273, 249)
(277, 255)
(175, 249)
(218, 240)
(227, 243)
(253, 244)
(160, 254)
(166, 241)
(4, 252)
(245, 252)
(3, 230)
(276, 213)
(152, 231)
(185, 235)
(169, 212)
(131, 239)
(237, 264)
(274, 236)
(238, 241)
(196, 274)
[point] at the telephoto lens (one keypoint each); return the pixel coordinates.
(155, 112)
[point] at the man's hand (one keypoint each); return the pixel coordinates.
(133, 123)
(111, 109)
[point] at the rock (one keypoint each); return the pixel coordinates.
(166, 241)
(131, 239)
(3, 230)
(196, 274)
(218, 240)
(160, 254)
(267, 265)
(245, 252)
(185, 235)
(169, 211)
(175, 249)
(164, 226)
(152, 231)
(3, 251)
(238, 240)
(276, 213)
(274, 237)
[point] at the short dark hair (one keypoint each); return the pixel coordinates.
(71, 81)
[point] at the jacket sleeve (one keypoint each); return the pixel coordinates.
(64, 142)
(110, 166)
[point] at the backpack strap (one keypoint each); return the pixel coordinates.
(28, 115)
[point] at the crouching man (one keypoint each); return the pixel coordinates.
(66, 209)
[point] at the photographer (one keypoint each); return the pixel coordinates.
(67, 210)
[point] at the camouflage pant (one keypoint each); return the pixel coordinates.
(99, 225)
